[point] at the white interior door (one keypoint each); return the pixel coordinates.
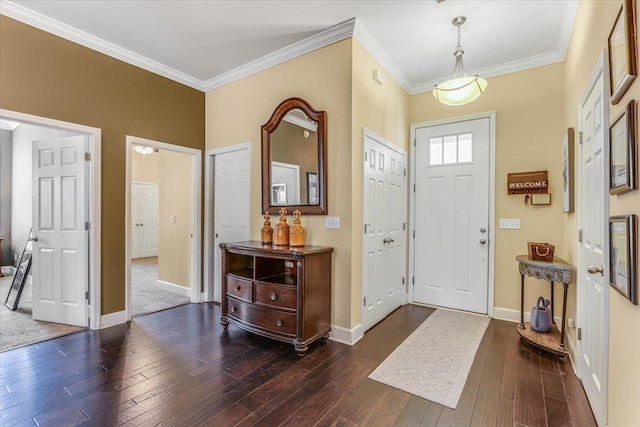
(289, 175)
(144, 220)
(135, 221)
(230, 205)
(452, 215)
(592, 288)
(384, 240)
(59, 268)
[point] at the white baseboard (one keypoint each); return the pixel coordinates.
(347, 336)
(510, 315)
(172, 287)
(112, 319)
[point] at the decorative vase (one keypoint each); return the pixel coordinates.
(267, 232)
(296, 234)
(281, 237)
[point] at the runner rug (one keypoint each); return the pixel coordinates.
(434, 361)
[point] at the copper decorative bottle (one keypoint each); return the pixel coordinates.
(296, 234)
(267, 232)
(281, 237)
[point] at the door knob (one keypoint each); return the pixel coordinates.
(33, 239)
(483, 241)
(391, 240)
(385, 240)
(592, 269)
(483, 230)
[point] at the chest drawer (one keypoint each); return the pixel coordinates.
(241, 289)
(276, 296)
(276, 321)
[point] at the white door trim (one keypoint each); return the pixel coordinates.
(94, 199)
(491, 115)
(209, 250)
(601, 67)
(196, 210)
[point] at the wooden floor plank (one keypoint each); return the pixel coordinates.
(179, 367)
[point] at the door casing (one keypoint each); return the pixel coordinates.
(491, 115)
(196, 209)
(94, 200)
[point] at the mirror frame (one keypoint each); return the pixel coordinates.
(267, 129)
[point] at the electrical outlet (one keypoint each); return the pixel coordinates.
(510, 223)
(570, 323)
(332, 222)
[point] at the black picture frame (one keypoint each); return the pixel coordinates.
(20, 277)
(622, 44)
(622, 255)
(622, 151)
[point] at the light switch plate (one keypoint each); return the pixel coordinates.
(510, 223)
(332, 222)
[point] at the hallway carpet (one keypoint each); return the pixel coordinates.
(146, 295)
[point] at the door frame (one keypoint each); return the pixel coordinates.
(196, 212)
(209, 212)
(380, 140)
(93, 201)
(601, 67)
(491, 115)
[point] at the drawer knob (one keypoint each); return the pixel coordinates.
(273, 297)
(279, 322)
(232, 309)
(238, 288)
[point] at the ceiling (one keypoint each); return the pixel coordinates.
(206, 44)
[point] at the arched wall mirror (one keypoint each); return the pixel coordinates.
(294, 159)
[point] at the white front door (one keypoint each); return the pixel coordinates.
(452, 215)
(384, 240)
(593, 290)
(144, 220)
(59, 268)
(231, 206)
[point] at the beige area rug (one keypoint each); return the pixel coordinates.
(434, 361)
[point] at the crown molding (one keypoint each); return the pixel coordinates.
(29, 17)
(324, 38)
(300, 122)
(370, 44)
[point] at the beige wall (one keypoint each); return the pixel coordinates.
(144, 168)
(529, 130)
(45, 75)
(175, 199)
(235, 113)
(593, 24)
(383, 109)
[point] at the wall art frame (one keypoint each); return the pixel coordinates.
(622, 44)
(622, 255)
(622, 151)
(568, 175)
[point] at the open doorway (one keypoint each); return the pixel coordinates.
(163, 205)
(48, 181)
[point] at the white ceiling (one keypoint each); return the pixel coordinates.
(206, 44)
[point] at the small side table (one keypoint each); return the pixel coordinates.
(556, 271)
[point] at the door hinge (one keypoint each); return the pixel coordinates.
(365, 156)
(580, 137)
(365, 301)
(579, 334)
(87, 157)
(414, 142)
(87, 226)
(414, 234)
(404, 226)
(413, 280)
(403, 280)
(414, 188)
(580, 236)
(405, 172)
(86, 295)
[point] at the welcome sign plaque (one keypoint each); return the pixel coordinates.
(527, 182)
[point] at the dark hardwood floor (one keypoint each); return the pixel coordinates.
(178, 367)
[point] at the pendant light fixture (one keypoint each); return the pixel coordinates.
(460, 88)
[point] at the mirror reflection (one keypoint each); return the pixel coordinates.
(294, 160)
(294, 151)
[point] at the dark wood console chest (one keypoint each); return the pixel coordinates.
(281, 293)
